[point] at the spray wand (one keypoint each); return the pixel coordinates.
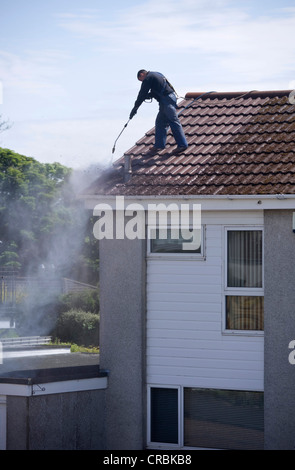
(120, 135)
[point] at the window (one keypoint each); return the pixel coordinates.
(244, 301)
(223, 419)
(175, 240)
(164, 415)
(205, 418)
(244, 258)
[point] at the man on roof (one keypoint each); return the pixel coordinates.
(155, 85)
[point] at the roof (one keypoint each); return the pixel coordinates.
(49, 368)
(239, 144)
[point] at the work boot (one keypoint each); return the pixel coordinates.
(153, 151)
(179, 150)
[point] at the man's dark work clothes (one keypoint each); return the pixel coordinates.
(155, 85)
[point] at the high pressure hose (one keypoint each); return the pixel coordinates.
(113, 151)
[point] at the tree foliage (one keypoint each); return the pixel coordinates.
(43, 224)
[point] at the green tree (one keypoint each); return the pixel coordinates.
(42, 220)
(9, 256)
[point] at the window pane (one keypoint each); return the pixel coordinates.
(164, 415)
(244, 258)
(223, 419)
(244, 313)
(175, 241)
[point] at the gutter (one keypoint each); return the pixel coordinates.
(208, 202)
(27, 383)
(36, 389)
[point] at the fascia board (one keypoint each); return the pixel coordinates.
(208, 203)
(28, 390)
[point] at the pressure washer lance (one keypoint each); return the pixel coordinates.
(119, 136)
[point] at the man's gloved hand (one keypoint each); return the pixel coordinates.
(133, 112)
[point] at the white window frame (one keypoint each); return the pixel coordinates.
(165, 445)
(180, 404)
(179, 256)
(240, 291)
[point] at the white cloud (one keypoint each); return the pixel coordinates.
(34, 72)
(220, 31)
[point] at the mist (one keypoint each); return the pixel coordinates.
(58, 252)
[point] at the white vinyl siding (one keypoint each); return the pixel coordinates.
(185, 307)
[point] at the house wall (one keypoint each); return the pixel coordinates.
(279, 330)
(183, 337)
(62, 421)
(186, 345)
(2, 422)
(122, 330)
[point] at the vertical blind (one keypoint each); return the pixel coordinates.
(244, 258)
(244, 270)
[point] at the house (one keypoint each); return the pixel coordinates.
(199, 341)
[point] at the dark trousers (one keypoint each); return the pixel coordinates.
(166, 117)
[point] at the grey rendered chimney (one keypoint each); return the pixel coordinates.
(127, 168)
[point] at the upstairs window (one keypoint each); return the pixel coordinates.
(244, 258)
(176, 241)
(244, 301)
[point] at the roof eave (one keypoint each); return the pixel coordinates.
(208, 202)
(236, 94)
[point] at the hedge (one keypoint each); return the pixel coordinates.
(78, 326)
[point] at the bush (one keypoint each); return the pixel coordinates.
(87, 300)
(78, 326)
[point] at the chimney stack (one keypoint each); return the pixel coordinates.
(127, 168)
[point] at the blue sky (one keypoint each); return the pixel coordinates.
(68, 68)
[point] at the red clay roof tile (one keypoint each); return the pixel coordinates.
(239, 144)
